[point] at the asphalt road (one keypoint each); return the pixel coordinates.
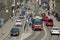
(37, 35)
(52, 37)
(17, 37)
(49, 36)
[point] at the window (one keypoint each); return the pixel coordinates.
(50, 20)
(55, 28)
(37, 21)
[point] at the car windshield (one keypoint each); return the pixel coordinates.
(20, 14)
(14, 30)
(50, 21)
(18, 21)
(55, 28)
(46, 17)
(37, 21)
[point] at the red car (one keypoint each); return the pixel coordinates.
(37, 24)
(45, 18)
(49, 22)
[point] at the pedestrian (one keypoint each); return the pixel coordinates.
(15, 14)
(48, 12)
(27, 24)
(56, 15)
(30, 21)
(53, 13)
(12, 18)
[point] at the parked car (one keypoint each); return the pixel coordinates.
(49, 22)
(21, 16)
(18, 23)
(45, 18)
(55, 30)
(14, 32)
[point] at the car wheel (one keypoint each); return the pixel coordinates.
(46, 24)
(11, 35)
(33, 29)
(52, 25)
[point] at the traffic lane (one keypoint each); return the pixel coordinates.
(9, 37)
(21, 29)
(54, 37)
(36, 35)
(47, 33)
(15, 18)
(40, 36)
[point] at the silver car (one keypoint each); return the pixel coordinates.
(55, 30)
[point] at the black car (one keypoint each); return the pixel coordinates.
(23, 12)
(14, 32)
(21, 16)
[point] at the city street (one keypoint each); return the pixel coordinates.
(33, 27)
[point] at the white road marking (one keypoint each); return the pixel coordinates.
(45, 33)
(25, 35)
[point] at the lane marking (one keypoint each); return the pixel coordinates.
(25, 35)
(45, 33)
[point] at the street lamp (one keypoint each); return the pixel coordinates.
(6, 11)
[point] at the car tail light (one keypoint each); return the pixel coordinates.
(51, 31)
(59, 31)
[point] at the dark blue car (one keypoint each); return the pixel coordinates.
(21, 16)
(14, 32)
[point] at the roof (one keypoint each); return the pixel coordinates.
(54, 27)
(18, 20)
(37, 17)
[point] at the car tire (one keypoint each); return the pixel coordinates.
(46, 24)
(52, 25)
(33, 29)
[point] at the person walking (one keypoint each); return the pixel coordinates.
(12, 18)
(56, 15)
(27, 24)
(48, 12)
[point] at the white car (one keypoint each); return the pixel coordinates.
(55, 30)
(18, 23)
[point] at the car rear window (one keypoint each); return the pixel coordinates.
(46, 17)
(18, 21)
(55, 28)
(50, 20)
(15, 30)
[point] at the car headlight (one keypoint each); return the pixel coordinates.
(17, 33)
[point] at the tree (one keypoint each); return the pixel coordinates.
(21, 1)
(26, 1)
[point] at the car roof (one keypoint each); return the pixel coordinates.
(37, 17)
(15, 28)
(54, 27)
(18, 20)
(50, 19)
(45, 16)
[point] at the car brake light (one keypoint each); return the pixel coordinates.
(59, 31)
(51, 31)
